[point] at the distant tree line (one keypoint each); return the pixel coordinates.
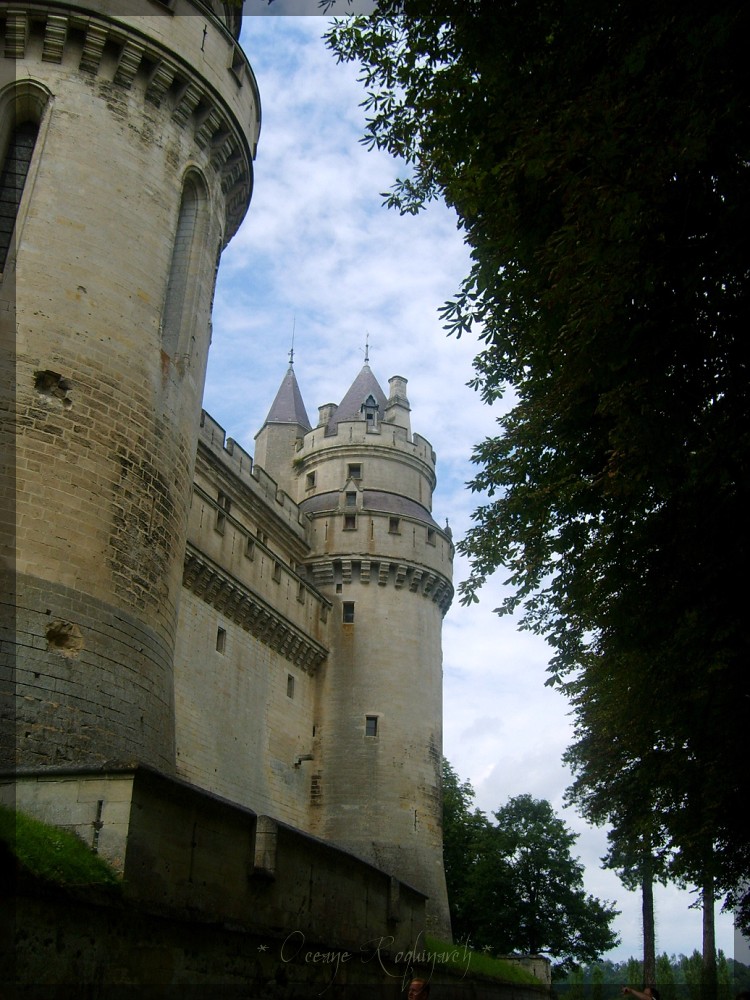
(679, 977)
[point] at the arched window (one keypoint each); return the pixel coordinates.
(12, 179)
(22, 108)
(178, 316)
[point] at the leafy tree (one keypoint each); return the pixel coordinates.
(463, 827)
(525, 892)
(597, 157)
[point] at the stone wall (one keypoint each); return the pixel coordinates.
(188, 853)
(69, 946)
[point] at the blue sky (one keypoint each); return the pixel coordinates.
(319, 256)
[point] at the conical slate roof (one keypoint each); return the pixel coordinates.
(287, 407)
(364, 385)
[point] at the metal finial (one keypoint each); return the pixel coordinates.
(367, 347)
(291, 351)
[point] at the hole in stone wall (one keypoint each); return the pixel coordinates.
(53, 384)
(64, 638)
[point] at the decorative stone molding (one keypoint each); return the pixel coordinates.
(196, 104)
(239, 604)
(400, 574)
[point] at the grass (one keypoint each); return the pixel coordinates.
(52, 854)
(461, 959)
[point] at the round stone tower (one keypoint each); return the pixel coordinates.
(386, 566)
(126, 144)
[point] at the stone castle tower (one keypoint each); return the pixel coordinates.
(126, 144)
(366, 483)
(263, 635)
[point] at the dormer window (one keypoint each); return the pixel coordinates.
(370, 410)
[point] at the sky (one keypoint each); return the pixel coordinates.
(320, 263)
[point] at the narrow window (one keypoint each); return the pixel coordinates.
(301, 592)
(355, 471)
(289, 686)
(371, 725)
(177, 321)
(347, 616)
(224, 506)
(310, 480)
(430, 536)
(394, 525)
(277, 572)
(12, 179)
(250, 548)
(221, 640)
(350, 522)
(351, 499)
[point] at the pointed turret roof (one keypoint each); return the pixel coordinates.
(288, 407)
(363, 386)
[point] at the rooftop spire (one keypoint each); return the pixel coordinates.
(288, 407)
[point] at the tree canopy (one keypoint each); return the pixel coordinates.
(598, 157)
(514, 885)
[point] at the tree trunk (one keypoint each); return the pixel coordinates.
(649, 932)
(708, 972)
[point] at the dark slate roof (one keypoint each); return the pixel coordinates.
(388, 503)
(364, 385)
(288, 407)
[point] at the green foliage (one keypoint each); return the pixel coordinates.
(53, 854)
(597, 157)
(513, 885)
(677, 977)
(460, 958)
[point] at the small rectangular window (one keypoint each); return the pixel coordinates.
(277, 572)
(250, 548)
(289, 686)
(430, 536)
(350, 522)
(394, 525)
(262, 537)
(301, 592)
(347, 616)
(225, 505)
(310, 480)
(354, 471)
(221, 640)
(351, 499)
(324, 613)
(371, 725)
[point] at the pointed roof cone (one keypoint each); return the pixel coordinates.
(364, 385)
(288, 407)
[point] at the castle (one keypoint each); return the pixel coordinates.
(202, 642)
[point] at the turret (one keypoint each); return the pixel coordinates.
(386, 566)
(126, 144)
(282, 433)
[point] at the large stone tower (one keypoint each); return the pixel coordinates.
(126, 143)
(377, 555)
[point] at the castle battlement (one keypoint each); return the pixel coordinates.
(239, 464)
